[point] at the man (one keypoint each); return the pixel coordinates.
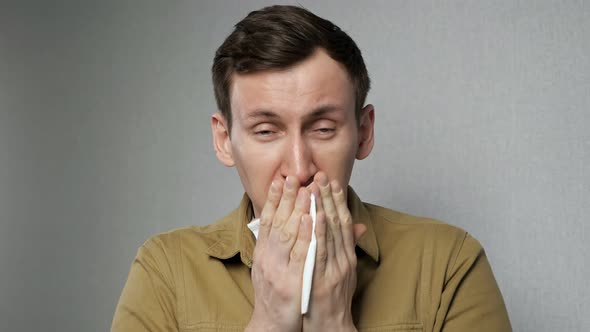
(291, 89)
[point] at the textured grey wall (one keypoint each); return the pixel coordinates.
(482, 121)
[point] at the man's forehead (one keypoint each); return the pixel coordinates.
(268, 102)
(290, 86)
(317, 78)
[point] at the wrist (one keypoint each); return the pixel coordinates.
(259, 323)
(267, 327)
(344, 323)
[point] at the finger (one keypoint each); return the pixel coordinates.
(345, 219)
(359, 231)
(268, 211)
(299, 250)
(288, 234)
(330, 251)
(314, 189)
(320, 232)
(321, 255)
(334, 236)
(286, 204)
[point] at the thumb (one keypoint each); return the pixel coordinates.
(358, 231)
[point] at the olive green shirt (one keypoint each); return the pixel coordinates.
(414, 274)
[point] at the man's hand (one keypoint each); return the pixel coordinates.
(279, 257)
(334, 278)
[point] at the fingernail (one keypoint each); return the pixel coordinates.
(336, 189)
(315, 190)
(290, 183)
(323, 180)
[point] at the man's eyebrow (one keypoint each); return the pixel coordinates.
(323, 110)
(269, 114)
(261, 114)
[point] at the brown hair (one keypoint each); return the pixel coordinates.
(278, 37)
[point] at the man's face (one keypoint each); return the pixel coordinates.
(293, 122)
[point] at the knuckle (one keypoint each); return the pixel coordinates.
(299, 253)
(265, 220)
(285, 236)
(277, 222)
(329, 236)
(331, 220)
(347, 220)
(320, 233)
(334, 282)
(297, 212)
(321, 255)
(295, 256)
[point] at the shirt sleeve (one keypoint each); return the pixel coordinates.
(471, 300)
(147, 302)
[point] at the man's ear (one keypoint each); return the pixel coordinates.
(366, 132)
(222, 139)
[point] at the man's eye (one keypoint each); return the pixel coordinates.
(325, 130)
(264, 132)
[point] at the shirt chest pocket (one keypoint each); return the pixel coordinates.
(403, 327)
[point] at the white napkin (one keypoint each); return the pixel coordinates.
(309, 262)
(254, 226)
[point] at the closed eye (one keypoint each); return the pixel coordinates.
(324, 133)
(325, 130)
(264, 132)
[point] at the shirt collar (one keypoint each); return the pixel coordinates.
(240, 239)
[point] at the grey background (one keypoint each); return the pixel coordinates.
(482, 121)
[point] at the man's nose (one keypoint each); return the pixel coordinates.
(299, 161)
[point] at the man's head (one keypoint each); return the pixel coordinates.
(278, 37)
(290, 87)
